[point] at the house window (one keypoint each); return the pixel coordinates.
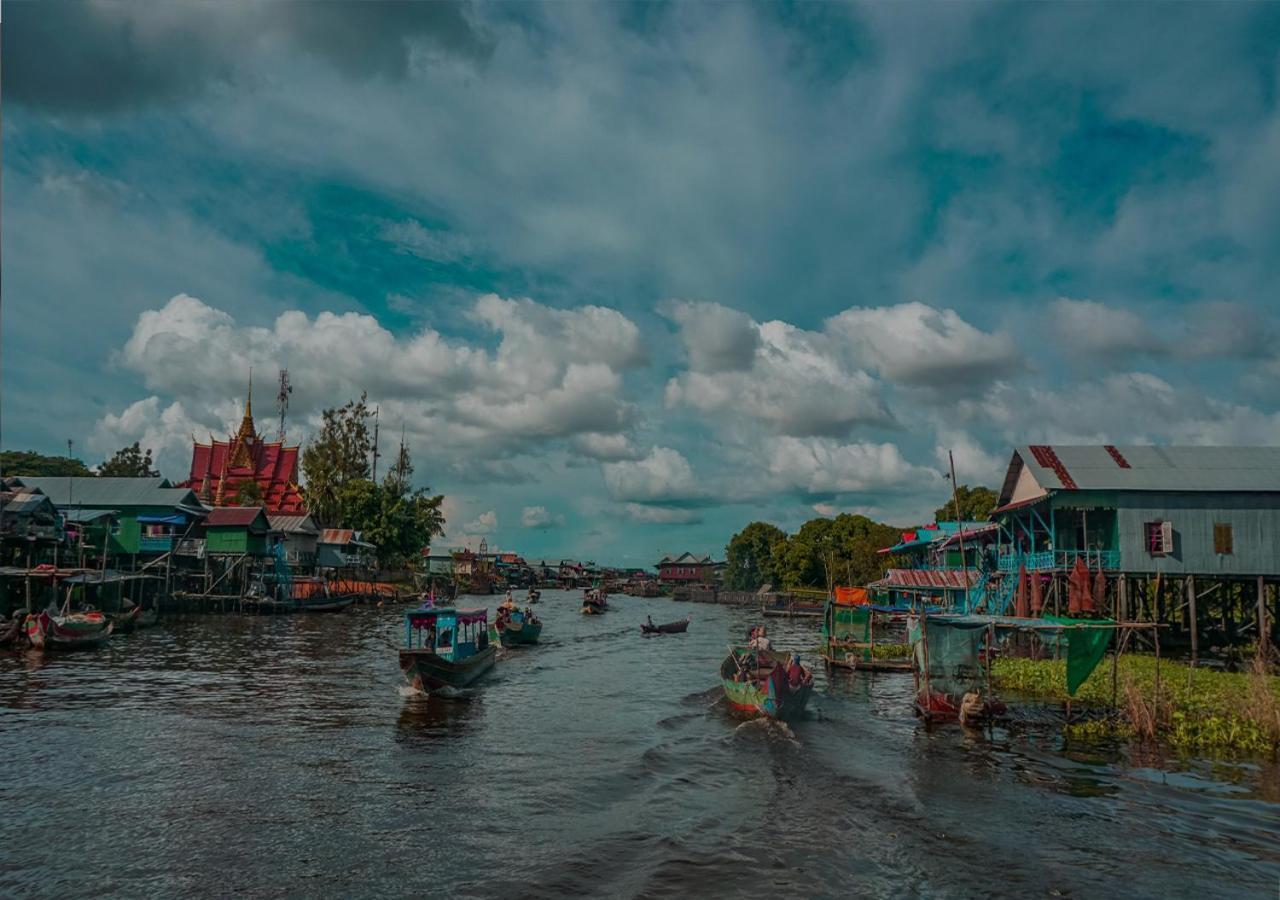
(1159, 538)
(1222, 538)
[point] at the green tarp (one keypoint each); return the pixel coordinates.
(849, 623)
(1085, 648)
(953, 656)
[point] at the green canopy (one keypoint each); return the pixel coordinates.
(1085, 647)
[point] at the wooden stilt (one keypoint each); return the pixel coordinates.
(1191, 616)
(1264, 627)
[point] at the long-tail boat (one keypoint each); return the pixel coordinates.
(667, 627)
(72, 631)
(126, 620)
(756, 683)
(446, 647)
(518, 628)
(533, 596)
(594, 603)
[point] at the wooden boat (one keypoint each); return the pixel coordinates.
(73, 631)
(148, 618)
(942, 707)
(594, 603)
(446, 648)
(125, 621)
(324, 602)
(667, 628)
(852, 658)
(533, 596)
(517, 629)
(755, 683)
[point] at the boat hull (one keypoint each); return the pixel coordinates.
(67, 633)
(426, 670)
(591, 609)
(325, 604)
(666, 628)
(522, 636)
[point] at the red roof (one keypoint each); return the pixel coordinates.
(237, 516)
(218, 468)
(337, 536)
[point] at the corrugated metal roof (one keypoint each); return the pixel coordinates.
(1150, 468)
(931, 579)
(113, 493)
(291, 524)
(336, 536)
(234, 516)
(24, 504)
(77, 514)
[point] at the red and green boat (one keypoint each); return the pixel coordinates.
(446, 649)
(74, 631)
(756, 684)
(518, 629)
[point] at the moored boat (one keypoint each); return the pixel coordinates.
(125, 621)
(67, 632)
(667, 627)
(756, 682)
(446, 648)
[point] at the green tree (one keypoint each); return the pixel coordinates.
(397, 519)
(248, 493)
(839, 551)
(339, 454)
(975, 505)
(29, 462)
(129, 462)
(749, 557)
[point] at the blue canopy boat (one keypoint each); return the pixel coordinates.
(445, 647)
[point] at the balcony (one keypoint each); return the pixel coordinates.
(157, 543)
(1059, 559)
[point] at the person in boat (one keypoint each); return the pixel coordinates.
(648, 620)
(796, 675)
(761, 642)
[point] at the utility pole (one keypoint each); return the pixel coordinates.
(376, 410)
(955, 498)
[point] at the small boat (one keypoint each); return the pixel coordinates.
(944, 707)
(755, 683)
(852, 658)
(148, 618)
(668, 628)
(517, 628)
(72, 631)
(446, 648)
(324, 602)
(533, 596)
(594, 603)
(125, 621)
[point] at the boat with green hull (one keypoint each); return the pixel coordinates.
(446, 649)
(758, 683)
(519, 629)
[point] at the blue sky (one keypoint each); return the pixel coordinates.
(630, 276)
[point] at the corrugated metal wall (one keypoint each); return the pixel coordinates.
(1255, 527)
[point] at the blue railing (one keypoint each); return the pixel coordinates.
(1059, 559)
(161, 544)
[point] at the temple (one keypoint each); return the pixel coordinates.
(220, 468)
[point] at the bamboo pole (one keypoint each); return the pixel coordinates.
(1264, 629)
(1191, 613)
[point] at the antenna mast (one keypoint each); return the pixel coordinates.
(376, 410)
(282, 399)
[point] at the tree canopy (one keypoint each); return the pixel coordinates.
(339, 454)
(823, 553)
(398, 519)
(975, 505)
(749, 557)
(29, 462)
(129, 462)
(248, 493)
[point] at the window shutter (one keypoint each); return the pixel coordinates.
(1166, 537)
(1222, 538)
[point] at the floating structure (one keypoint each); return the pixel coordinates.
(446, 648)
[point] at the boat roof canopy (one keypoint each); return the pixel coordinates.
(420, 618)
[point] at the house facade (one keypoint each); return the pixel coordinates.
(686, 569)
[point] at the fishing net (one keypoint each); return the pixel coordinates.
(1085, 647)
(952, 655)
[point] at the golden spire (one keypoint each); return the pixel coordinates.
(248, 403)
(247, 435)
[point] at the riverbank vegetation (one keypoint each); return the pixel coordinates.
(1194, 708)
(824, 551)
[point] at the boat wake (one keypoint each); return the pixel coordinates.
(771, 729)
(407, 691)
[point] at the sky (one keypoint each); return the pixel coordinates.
(630, 276)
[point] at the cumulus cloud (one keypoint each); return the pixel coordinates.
(918, 345)
(798, 382)
(166, 430)
(825, 467)
(485, 523)
(1096, 329)
(661, 515)
(455, 397)
(662, 475)
(604, 447)
(974, 465)
(540, 517)
(716, 338)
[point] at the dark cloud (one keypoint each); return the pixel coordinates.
(100, 58)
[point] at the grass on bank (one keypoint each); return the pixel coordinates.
(1196, 709)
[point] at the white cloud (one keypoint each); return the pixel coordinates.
(1093, 328)
(540, 517)
(823, 467)
(974, 465)
(798, 382)
(716, 338)
(167, 431)
(604, 447)
(485, 523)
(915, 344)
(455, 398)
(663, 475)
(661, 515)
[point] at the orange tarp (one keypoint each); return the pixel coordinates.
(852, 596)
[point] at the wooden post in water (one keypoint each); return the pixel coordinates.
(1122, 599)
(1191, 613)
(1264, 628)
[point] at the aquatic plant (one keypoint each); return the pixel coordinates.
(1192, 708)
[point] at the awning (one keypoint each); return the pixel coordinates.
(985, 531)
(163, 520)
(928, 579)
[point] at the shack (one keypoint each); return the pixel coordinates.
(301, 536)
(237, 531)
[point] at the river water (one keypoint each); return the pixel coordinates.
(282, 757)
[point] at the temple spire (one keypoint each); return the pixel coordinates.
(248, 403)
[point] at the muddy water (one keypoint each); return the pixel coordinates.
(278, 757)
